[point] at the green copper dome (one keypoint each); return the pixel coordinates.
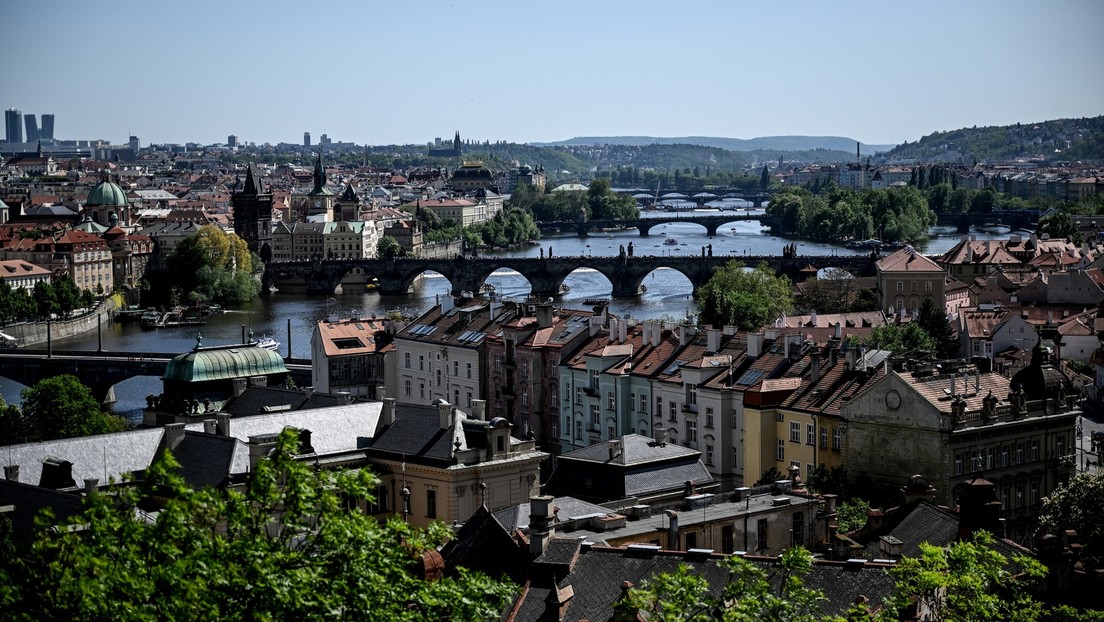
(106, 193)
(224, 363)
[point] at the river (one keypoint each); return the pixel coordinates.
(290, 318)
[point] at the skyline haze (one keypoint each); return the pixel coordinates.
(381, 74)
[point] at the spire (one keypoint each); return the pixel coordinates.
(252, 186)
(319, 175)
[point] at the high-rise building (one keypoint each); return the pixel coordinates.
(306, 139)
(47, 131)
(13, 125)
(32, 128)
(134, 144)
(231, 141)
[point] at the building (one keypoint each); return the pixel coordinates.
(472, 176)
(107, 203)
(130, 256)
(32, 128)
(442, 354)
(349, 355)
(13, 125)
(320, 199)
(232, 141)
(84, 257)
(47, 131)
(306, 139)
(453, 150)
(949, 427)
(985, 333)
(906, 279)
(19, 274)
(253, 215)
(437, 463)
(524, 174)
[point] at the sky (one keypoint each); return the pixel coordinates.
(407, 72)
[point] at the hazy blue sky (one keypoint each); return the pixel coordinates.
(406, 72)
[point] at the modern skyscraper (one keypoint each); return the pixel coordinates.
(47, 131)
(134, 144)
(13, 124)
(231, 141)
(32, 128)
(306, 139)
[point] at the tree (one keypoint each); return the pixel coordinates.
(933, 319)
(969, 581)
(1078, 505)
(388, 248)
(851, 515)
(902, 339)
(61, 407)
(1060, 225)
(285, 547)
(748, 595)
(748, 299)
(764, 178)
(45, 299)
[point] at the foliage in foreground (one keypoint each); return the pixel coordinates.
(1078, 505)
(284, 548)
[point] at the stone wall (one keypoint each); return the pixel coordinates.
(34, 334)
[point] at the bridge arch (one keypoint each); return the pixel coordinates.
(585, 278)
(505, 281)
(665, 282)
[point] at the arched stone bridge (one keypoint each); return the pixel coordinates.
(626, 274)
(712, 222)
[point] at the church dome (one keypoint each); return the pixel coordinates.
(1041, 380)
(106, 193)
(224, 363)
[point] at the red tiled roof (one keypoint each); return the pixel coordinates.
(907, 260)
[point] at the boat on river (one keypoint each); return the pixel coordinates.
(267, 343)
(671, 242)
(151, 319)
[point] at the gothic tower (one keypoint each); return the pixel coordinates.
(320, 200)
(253, 215)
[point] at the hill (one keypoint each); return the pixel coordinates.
(1060, 139)
(762, 143)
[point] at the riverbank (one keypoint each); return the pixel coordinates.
(38, 333)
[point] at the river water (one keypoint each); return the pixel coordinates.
(290, 318)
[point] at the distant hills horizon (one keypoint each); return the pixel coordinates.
(761, 143)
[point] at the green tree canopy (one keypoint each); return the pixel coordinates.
(933, 319)
(902, 339)
(61, 407)
(747, 299)
(285, 548)
(1078, 505)
(388, 248)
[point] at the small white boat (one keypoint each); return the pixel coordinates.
(267, 343)
(671, 242)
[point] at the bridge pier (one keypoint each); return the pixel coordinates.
(109, 398)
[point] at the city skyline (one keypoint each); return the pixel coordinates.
(268, 72)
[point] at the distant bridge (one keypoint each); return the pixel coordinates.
(546, 276)
(1014, 219)
(101, 371)
(711, 222)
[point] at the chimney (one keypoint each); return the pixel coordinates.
(344, 398)
(851, 355)
(223, 424)
(686, 332)
(174, 433)
(444, 412)
(11, 472)
(90, 485)
(479, 409)
(622, 330)
(838, 332)
(544, 315)
(660, 435)
(713, 340)
(755, 344)
(239, 386)
(614, 448)
(541, 529)
(259, 446)
(210, 426)
(388, 410)
(812, 319)
(953, 386)
(495, 307)
(447, 304)
(672, 531)
(814, 367)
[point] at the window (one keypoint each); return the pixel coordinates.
(672, 411)
(469, 370)
(595, 417)
(1019, 496)
(709, 417)
(555, 426)
(958, 464)
(1034, 490)
(1004, 458)
(1019, 453)
(709, 455)
(578, 429)
(643, 403)
(469, 398)
(1060, 445)
(798, 528)
(578, 395)
(761, 534)
(378, 505)
(421, 363)
(611, 403)
(659, 407)
(823, 437)
(795, 432)
(810, 434)
(781, 453)
(406, 359)
(555, 401)
(421, 389)
(692, 394)
(900, 286)
(691, 431)
(927, 286)
(594, 378)
(837, 439)
(406, 386)
(610, 433)
(438, 377)
(456, 368)
(1034, 450)
(456, 397)
(691, 540)
(989, 458)
(431, 503)
(632, 400)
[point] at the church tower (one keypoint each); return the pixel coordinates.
(253, 215)
(320, 200)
